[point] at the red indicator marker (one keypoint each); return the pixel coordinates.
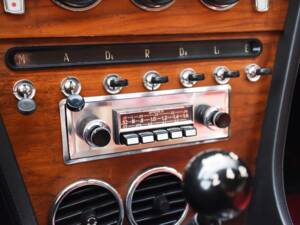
(13, 4)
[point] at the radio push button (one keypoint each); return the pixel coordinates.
(175, 132)
(146, 137)
(189, 131)
(161, 135)
(130, 139)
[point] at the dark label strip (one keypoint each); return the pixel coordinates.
(44, 57)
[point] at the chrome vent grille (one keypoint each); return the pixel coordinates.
(156, 198)
(88, 202)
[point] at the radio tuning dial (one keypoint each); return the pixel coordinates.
(96, 133)
(212, 116)
(219, 5)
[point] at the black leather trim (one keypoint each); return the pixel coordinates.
(12, 187)
(269, 205)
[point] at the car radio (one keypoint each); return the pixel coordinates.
(110, 126)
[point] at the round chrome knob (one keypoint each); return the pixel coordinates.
(219, 5)
(96, 133)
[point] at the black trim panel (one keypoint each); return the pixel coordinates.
(12, 187)
(269, 205)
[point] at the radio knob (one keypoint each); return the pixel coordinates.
(219, 5)
(96, 133)
(212, 116)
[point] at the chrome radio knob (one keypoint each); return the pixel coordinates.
(212, 116)
(219, 5)
(96, 133)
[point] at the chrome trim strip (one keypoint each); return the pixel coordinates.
(74, 9)
(81, 183)
(153, 9)
(136, 183)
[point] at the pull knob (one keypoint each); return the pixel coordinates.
(218, 186)
(153, 80)
(222, 74)
(254, 72)
(96, 133)
(220, 5)
(71, 88)
(212, 116)
(189, 77)
(153, 5)
(24, 91)
(114, 83)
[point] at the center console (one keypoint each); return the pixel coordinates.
(112, 105)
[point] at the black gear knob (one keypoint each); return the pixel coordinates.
(217, 186)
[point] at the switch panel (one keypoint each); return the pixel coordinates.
(111, 126)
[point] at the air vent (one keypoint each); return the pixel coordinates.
(88, 202)
(156, 198)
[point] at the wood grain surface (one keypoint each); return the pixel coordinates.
(120, 17)
(36, 139)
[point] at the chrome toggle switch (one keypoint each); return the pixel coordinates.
(189, 77)
(24, 91)
(262, 5)
(254, 72)
(114, 83)
(71, 88)
(153, 80)
(222, 74)
(14, 6)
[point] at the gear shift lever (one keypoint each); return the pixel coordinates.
(217, 186)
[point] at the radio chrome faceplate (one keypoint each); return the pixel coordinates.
(142, 122)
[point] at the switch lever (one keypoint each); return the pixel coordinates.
(254, 72)
(119, 83)
(231, 74)
(159, 79)
(153, 80)
(114, 83)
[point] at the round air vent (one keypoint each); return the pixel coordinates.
(156, 198)
(77, 5)
(88, 202)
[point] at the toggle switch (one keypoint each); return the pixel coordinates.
(222, 74)
(114, 83)
(71, 88)
(189, 77)
(24, 91)
(153, 80)
(254, 72)
(14, 6)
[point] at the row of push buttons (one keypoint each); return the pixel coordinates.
(146, 137)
